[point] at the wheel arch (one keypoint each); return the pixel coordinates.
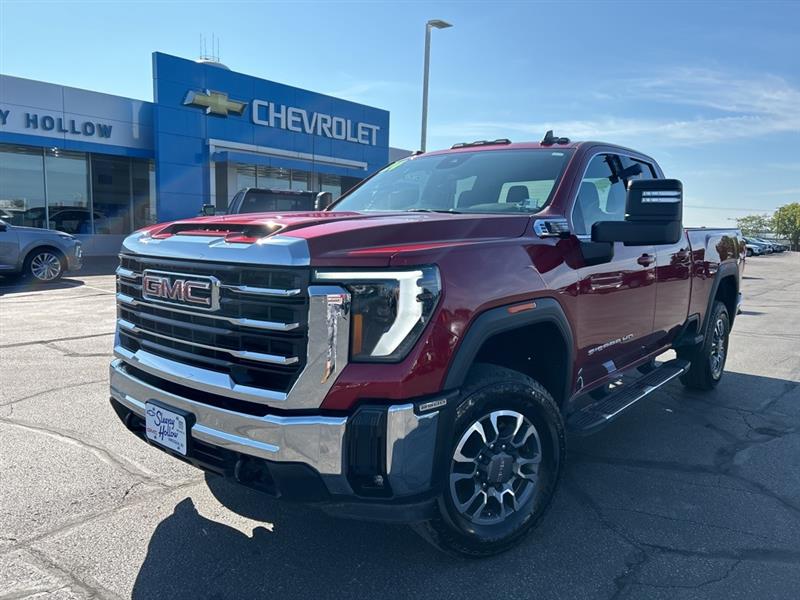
(494, 337)
(725, 289)
(38, 248)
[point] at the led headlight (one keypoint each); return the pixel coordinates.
(388, 309)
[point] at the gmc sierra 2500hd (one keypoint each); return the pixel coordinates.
(418, 351)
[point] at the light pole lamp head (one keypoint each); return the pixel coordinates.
(439, 24)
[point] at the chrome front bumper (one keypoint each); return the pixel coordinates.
(316, 441)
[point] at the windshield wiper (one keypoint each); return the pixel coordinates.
(451, 211)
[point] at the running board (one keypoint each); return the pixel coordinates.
(594, 416)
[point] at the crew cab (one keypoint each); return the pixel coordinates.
(419, 351)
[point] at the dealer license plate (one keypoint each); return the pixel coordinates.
(166, 428)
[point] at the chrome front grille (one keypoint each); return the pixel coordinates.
(257, 336)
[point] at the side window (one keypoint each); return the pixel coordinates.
(601, 196)
(647, 171)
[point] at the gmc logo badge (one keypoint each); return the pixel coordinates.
(176, 288)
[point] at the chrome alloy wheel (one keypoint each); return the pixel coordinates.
(46, 266)
(495, 467)
(718, 348)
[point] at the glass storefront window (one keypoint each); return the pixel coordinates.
(274, 178)
(330, 183)
(300, 180)
(245, 176)
(51, 188)
(22, 186)
(144, 193)
(67, 191)
(111, 194)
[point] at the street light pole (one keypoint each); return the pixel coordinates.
(438, 24)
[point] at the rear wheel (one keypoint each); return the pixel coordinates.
(707, 360)
(504, 463)
(45, 265)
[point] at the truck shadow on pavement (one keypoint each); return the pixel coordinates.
(683, 476)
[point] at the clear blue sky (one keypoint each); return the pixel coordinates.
(711, 89)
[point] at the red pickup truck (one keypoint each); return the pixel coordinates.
(419, 350)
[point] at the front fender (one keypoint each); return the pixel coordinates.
(507, 318)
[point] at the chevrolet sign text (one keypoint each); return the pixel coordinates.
(300, 120)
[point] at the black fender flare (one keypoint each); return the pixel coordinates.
(726, 269)
(501, 319)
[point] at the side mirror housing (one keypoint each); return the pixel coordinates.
(323, 201)
(209, 210)
(3, 226)
(653, 215)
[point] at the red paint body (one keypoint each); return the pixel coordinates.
(491, 260)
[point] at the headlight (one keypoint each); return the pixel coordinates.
(388, 309)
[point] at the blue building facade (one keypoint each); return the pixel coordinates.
(100, 166)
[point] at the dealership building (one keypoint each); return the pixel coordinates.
(100, 166)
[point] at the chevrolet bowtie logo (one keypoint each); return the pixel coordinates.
(215, 103)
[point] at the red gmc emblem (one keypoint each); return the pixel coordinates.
(178, 289)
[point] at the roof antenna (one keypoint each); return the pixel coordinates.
(549, 139)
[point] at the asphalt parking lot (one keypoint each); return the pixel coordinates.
(688, 495)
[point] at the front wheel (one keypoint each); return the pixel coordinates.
(707, 360)
(44, 265)
(504, 462)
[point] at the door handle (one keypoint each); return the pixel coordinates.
(646, 260)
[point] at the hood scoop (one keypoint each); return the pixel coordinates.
(231, 232)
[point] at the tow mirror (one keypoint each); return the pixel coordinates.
(653, 215)
(209, 210)
(323, 201)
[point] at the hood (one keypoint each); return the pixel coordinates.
(39, 231)
(338, 235)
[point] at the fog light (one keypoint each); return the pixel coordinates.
(366, 451)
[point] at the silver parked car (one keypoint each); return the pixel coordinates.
(41, 254)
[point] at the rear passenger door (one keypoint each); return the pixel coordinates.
(616, 300)
(673, 273)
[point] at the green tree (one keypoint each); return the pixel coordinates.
(753, 225)
(786, 222)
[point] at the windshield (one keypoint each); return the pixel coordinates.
(495, 181)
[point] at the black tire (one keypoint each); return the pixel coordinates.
(707, 366)
(749, 252)
(44, 265)
(492, 390)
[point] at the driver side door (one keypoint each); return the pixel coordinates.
(616, 299)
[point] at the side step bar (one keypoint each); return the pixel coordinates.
(592, 417)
